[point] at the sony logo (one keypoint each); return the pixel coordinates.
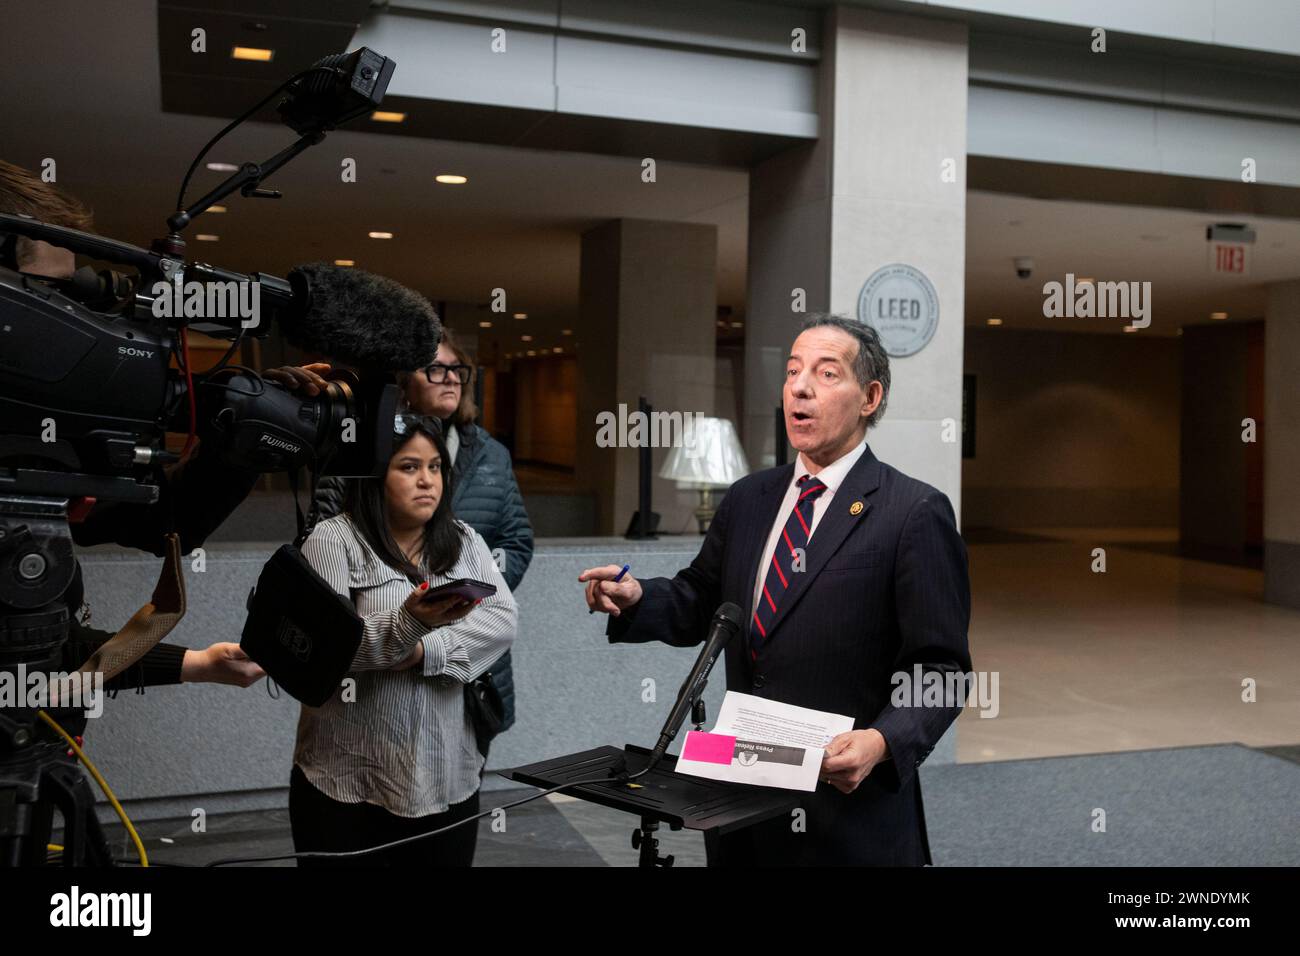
(136, 353)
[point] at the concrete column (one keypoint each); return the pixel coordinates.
(870, 192)
(1282, 445)
(646, 326)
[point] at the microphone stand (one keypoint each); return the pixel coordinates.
(712, 807)
(643, 837)
(689, 697)
(247, 179)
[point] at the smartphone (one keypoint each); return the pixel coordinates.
(466, 588)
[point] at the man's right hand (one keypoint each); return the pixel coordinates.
(606, 596)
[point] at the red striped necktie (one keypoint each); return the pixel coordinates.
(791, 547)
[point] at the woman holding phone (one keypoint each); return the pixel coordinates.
(393, 753)
(487, 495)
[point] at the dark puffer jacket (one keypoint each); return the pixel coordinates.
(485, 496)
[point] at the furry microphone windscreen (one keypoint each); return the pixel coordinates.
(361, 318)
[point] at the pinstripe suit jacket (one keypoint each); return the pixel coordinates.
(885, 590)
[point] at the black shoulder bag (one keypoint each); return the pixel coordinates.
(485, 710)
(301, 631)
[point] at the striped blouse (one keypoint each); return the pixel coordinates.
(401, 739)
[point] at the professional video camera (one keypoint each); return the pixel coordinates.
(86, 388)
(88, 393)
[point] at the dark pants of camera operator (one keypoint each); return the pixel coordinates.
(323, 823)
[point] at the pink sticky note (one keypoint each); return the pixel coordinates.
(708, 748)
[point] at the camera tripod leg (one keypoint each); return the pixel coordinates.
(84, 843)
(27, 820)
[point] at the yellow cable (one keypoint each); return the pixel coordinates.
(103, 784)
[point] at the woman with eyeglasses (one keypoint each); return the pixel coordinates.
(486, 495)
(393, 753)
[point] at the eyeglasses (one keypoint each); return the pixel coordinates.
(437, 373)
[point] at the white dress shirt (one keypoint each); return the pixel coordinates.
(832, 476)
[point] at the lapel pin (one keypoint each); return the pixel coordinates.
(855, 508)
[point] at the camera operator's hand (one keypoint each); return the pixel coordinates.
(437, 613)
(300, 378)
(222, 663)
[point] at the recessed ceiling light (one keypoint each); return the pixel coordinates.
(380, 235)
(485, 325)
(566, 331)
(223, 167)
(259, 54)
(385, 116)
(521, 315)
(995, 321)
(557, 349)
(217, 209)
(525, 338)
(206, 237)
(451, 179)
(345, 262)
(1218, 315)
(737, 325)
(532, 352)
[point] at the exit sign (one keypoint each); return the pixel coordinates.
(1230, 258)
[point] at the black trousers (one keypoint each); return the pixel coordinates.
(320, 823)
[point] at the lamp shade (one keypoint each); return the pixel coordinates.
(710, 455)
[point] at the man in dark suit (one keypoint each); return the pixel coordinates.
(850, 573)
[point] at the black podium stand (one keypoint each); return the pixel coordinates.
(661, 796)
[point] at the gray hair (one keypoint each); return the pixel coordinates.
(871, 364)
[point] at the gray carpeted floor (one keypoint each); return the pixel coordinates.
(1225, 805)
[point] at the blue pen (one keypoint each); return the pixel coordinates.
(617, 578)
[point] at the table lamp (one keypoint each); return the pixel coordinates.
(709, 457)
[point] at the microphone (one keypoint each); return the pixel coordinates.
(725, 625)
(348, 314)
(361, 318)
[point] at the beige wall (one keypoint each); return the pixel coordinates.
(1072, 429)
